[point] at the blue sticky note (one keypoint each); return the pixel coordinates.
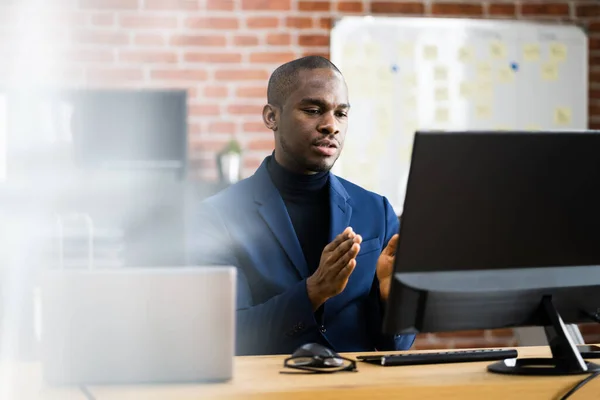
(394, 68)
(514, 66)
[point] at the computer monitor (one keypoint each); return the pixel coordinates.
(501, 230)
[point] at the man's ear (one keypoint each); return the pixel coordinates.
(270, 114)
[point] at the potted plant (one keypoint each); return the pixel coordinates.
(229, 162)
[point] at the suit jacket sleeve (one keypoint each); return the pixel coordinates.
(260, 328)
(389, 342)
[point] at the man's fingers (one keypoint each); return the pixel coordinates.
(339, 239)
(348, 269)
(390, 249)
(340, 251)
(346, 258)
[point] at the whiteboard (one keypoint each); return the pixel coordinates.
(405, 74)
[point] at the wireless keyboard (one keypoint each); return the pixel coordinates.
(440, 357)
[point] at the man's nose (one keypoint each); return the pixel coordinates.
(328, 124)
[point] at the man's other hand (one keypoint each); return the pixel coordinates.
(385, 267)
(338, 260)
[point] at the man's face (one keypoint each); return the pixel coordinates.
(311, 125)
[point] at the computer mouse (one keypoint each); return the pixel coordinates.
(316, 355)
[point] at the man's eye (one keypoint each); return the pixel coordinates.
(311, 111)
(342, 114)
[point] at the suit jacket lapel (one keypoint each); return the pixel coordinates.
(272, 210)
(341, 210)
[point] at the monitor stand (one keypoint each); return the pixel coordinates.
(565, 360)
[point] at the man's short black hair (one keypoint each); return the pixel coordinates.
(285, 77)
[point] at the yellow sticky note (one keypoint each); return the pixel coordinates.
(531, 52)
(503, 128)
(385, 75)
(484, 89)
(562, 116)
(410, 127)
(410, 80)
(506, 75)
(484, 70)
(410, 102)
(549, 71)
(558, 52)
(440, 73)
(406, 50)
(498, 49)
(533, 127)
(442, 115)
(442, 94)
(372, 51)
(465, 54)
(430, 52)
(466, 89)
(483, 111)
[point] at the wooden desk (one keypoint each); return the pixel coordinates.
(259, 378)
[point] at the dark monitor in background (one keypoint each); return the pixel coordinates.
(501, 230)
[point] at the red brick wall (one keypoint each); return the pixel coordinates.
(222, 52)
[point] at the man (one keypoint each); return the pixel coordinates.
(314, 252)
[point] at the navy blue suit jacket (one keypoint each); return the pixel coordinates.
(247, 225)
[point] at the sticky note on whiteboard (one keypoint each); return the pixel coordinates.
(506, 75)
(498, 49)
(350, 52)
(549, 71)
(484, 70)
(442, 94)
(483, 111)
(531, 52)
(484, 89)
(372, 51)
(430, 52)
(442, 115)
(465, 54)
(558, 52)
(533, 127)
(466, 89)
(410, 80)
(410, 102)
(406, 50)
(562, 116)
(440, 73)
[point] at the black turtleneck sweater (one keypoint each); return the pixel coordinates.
(306, 198)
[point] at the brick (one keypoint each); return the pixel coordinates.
(500, 333)
(594, 76)
(261, 144)
(590, 328)
(299, 22)
(202, 110)
(313, 40)
(245, 40)
(279, 39)
(389, 7)
(275, 5)
(315, 53)
(149, 39)
(594, 108)
(461, 334)
(179, 75)
(262, 22)
(198, 40)
(241, 75)
(457, 9)
(326, 23)
(109, 4)
(159, 57)
(350, 6)
(594, 42)
(595, 125)
(254, 127)
(245, 109)
(89, 56)
(502, 9)
(100, 38)
(545, 9)
(214, 144)
(172, 4)
(148, 22)
(594, 58)
(213, 57)
(194, 129)
(252, 91)
(588, 10)
(594, 94)
(252, 163)
(216, 91)
(272, 57)
(212, 23)
(102, 19)
(219, 5)
(594, 27)
(314, 5)
(221, 127)
(113, 75)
